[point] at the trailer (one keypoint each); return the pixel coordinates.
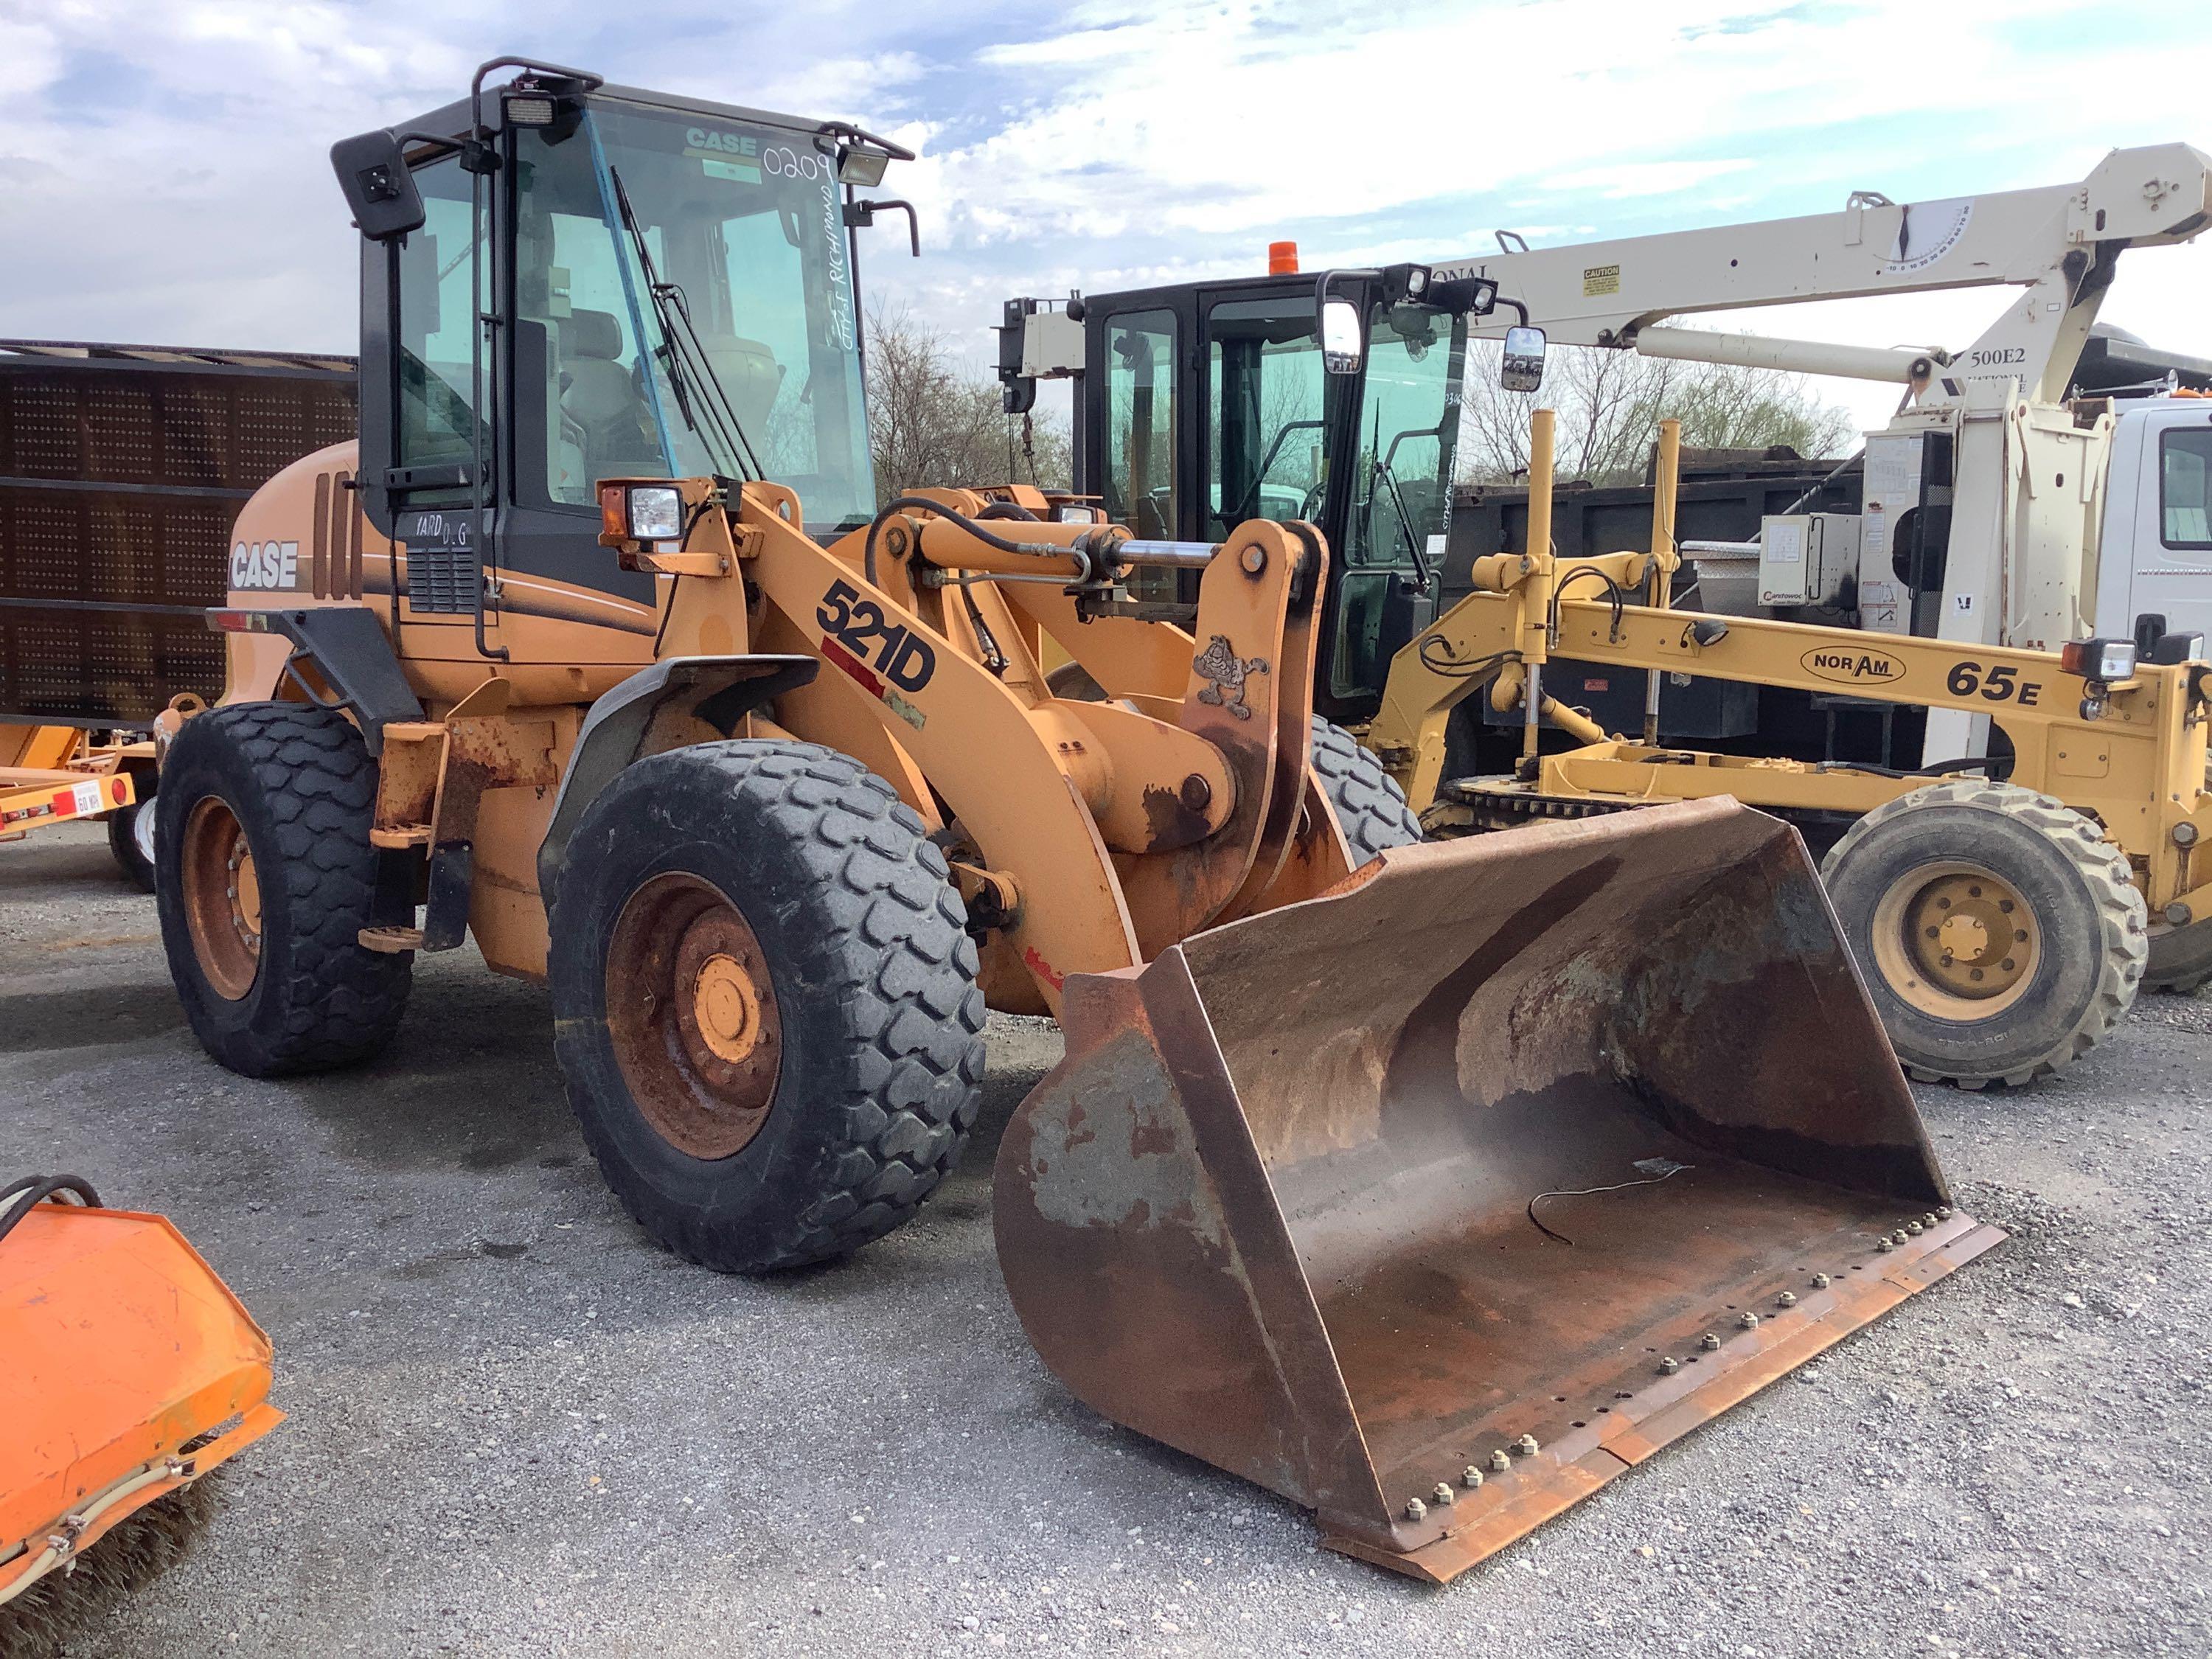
(121, 470)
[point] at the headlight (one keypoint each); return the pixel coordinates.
(656, 513)
(2098, 660)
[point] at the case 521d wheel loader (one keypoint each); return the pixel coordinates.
(1429, 1194)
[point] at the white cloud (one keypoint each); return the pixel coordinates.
(162, 170)
(1626, 179)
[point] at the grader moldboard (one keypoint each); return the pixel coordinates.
(1430, 1193)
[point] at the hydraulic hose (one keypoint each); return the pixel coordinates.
(28, 1193)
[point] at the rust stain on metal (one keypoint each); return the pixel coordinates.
(1271, 1209)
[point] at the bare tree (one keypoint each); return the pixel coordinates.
(1609, 404)
(932, 422)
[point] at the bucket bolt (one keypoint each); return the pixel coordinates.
(1820, 1281)
(1415, 1509)
(1440, 1494)
(1898, 1236)
(1787, 1299)
(1500, 1463)
(1526, 1446)
(1669, 1365)
(1930, 1219)
(1883, 1243)
(1747, 1320)
(1914, 1227)
(1710, 1341)
(1942, 1212)
(1470, 1477)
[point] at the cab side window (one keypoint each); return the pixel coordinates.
(435, 396)
(1140, 367)
(2184, 489)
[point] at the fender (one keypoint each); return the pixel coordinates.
(349, 651)
(719, 690)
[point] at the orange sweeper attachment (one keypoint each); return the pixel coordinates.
(128, 1370)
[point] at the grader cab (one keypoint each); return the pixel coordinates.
(600, 648)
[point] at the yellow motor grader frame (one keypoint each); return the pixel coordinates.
(2107, 760)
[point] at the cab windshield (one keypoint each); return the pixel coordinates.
(684, 296)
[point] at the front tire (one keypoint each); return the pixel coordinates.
(264, 879)
(765, 1002)
(2001, 936)
(1371, 807)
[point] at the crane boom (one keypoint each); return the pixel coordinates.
(2058, 241)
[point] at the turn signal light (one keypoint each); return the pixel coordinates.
(2098, 660)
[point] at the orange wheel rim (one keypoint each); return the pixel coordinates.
(222, 899)
(693, 1016)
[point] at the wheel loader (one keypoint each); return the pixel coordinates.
(1429, 1186)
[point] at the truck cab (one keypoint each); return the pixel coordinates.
(1198, 405)
(2154, 563)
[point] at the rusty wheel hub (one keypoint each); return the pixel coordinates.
(1956, 941)
(222, 899)
(693, 1016)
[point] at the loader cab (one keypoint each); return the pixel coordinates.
(1202, 405)
(598, 282)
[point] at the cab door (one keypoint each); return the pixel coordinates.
(2169, 564)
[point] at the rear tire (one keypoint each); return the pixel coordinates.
(1999, 933)
(1371, 807)
(130, 841)
(765, 1002)
(2180, 958)
(265, 880)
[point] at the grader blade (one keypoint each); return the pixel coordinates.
(1436, 1202)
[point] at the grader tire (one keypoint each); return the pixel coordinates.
(1371, 807)
(265, 877)
(2180, 958)
(1999, 933)
(765, 1002)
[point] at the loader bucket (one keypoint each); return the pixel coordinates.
(1580, 1133)
(127, 1370)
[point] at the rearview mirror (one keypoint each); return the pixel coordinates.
(1522, 367)
(373, 173)
(1340, 345)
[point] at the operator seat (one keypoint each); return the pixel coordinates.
(601, 396)
(748, 373)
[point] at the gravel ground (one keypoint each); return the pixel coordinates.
(518, 1428)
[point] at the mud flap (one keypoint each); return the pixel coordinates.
(1436, 1202)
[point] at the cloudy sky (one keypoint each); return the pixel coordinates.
(163, 179)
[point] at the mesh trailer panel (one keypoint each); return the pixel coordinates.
(121, 469)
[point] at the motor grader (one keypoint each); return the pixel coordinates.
(1431, 1189)
(1999, 906)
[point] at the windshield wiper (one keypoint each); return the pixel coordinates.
(712, 417)
(1384, 476)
